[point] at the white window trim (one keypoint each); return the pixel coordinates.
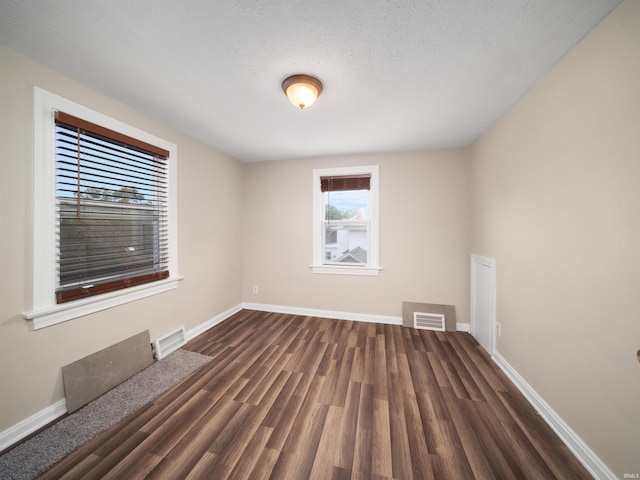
(318, 266)
(45, 311)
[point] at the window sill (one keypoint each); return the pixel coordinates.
(345, 270)
(51, 315)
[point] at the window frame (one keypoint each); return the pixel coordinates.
(372, 268)
(45, 311)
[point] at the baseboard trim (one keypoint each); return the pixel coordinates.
(580, 449)
(34, 422)
(38, 420)
(212, 322)
(29, 425)
(336, 315)
(312, 312)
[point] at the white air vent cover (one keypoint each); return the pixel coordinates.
(428, 321)
(169, 342)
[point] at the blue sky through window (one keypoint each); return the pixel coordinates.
(102, 169)
(348, 199)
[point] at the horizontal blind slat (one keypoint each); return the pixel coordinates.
(66, 163)
(339, 183)
(76, 293)
(119, 137)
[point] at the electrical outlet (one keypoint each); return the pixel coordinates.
(256, 289)
(498, 330)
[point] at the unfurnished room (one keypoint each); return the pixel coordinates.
(278, 239)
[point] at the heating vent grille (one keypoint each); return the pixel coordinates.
(428, 321)
(169, 342)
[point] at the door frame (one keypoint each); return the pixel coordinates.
(477, 260)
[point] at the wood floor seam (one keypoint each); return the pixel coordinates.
(298, 397)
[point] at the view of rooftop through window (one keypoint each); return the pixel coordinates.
(346, 227)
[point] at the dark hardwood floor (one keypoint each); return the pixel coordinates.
(290, 397)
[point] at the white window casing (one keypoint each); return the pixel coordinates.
(44, 310)
(372, 267)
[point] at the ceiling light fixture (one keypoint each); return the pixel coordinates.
(302, 90)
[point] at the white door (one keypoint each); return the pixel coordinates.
(483, 299)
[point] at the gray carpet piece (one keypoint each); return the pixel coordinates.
(39, 453)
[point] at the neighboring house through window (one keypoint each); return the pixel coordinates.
(104, 212)
(346, 220)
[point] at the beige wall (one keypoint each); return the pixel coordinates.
(210, 246)
(551, 191)
(424, 218)
(555, 196)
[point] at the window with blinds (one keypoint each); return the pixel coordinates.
(111, 210)
(346, 219)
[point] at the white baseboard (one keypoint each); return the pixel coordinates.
(40, 419)
(50, 413)
(581, 450)
(312, 312)
(34, 422)
(203, 327)
(359, 317)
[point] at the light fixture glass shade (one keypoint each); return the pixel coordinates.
(302, 90)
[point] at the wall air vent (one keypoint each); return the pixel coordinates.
(169, 342)
(428, 321)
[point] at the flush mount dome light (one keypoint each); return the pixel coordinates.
(302, 90)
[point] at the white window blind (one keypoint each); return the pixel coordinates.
(111, 210)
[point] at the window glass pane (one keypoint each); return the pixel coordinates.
(346, 204)
(107, 242)
(346, 227)
(111, 213)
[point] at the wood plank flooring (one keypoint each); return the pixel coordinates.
(290, 397)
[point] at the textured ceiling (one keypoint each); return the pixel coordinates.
(399, 75)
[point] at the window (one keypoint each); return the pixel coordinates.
(345, 237)
(104, 212)
(111, 210)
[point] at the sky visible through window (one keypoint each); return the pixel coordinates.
(348, 200)
(102, 170)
